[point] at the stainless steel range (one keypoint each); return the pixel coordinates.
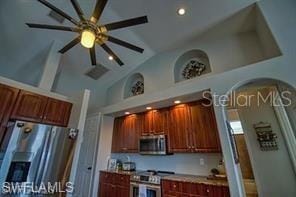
(147, 183)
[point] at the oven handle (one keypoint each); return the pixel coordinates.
(148, 186)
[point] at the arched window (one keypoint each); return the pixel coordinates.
(134, 85)
(191, 64)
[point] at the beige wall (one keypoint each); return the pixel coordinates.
(273, 170)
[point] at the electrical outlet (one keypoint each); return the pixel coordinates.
(201, 161)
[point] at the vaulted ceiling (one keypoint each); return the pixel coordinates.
(165, 30)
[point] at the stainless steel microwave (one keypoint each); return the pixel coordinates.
(153, 145)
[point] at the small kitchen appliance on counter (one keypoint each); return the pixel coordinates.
(129, 166)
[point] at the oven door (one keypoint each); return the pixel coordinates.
(153, 145)
(151, 191)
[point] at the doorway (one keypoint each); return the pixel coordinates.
(261, 115)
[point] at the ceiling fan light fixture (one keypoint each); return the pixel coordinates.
(88, 38)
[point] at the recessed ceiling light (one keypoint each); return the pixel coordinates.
(177, 102)
(181, 11)
(148, 108)
(110, 57)
(127, 113)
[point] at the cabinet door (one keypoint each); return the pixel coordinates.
(204, 129)
(8, 96)
(218, 191)
(117, 135)
(29, 107)
(131, 134)
(126, 134)
(122, 191)
(147, 121)
(179, 140)
(57, 112)
(107, 190)
(160, 121)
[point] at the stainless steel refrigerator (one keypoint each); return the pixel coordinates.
(38, 153)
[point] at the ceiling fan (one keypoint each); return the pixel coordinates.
(90, 32)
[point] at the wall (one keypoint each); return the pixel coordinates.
(225, 53)
(240, 40)
(274, 174)
(178, 163)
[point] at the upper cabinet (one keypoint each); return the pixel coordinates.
(180, 129)
(126, 134)
(204, 128)
(155, 122)
(8, 96)
(57, 112)
(191, 128)
(41, 109)
(29, 107)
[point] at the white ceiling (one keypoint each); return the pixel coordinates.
(165, 30)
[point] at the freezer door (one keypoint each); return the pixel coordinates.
(57, 159)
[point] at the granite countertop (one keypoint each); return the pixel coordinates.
(120, 172)
(196, 179)
(180, 177)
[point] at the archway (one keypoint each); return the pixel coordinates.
(261, 116)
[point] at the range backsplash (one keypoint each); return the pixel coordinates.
(179, 163)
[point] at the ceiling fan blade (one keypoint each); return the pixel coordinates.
(60, 12)
(126, 23)
(78, 9)
(125, 44)
(100, 5)
(53, 27)
(111, 53)
(70, 45)
(92, 52)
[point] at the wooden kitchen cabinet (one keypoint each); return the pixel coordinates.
(183, 189)
(57, 112)
(8, 96)
(114, 185)
(204, 128)
(180, 132)
(126, 134)
(193, 128)
(29, 107)
(41, 109)
(218, 191)
(155, 122)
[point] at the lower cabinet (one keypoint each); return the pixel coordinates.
(187, 189)
(114, 185)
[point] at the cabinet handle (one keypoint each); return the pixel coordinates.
(45, 117)
(174, 186)
(208, 191)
